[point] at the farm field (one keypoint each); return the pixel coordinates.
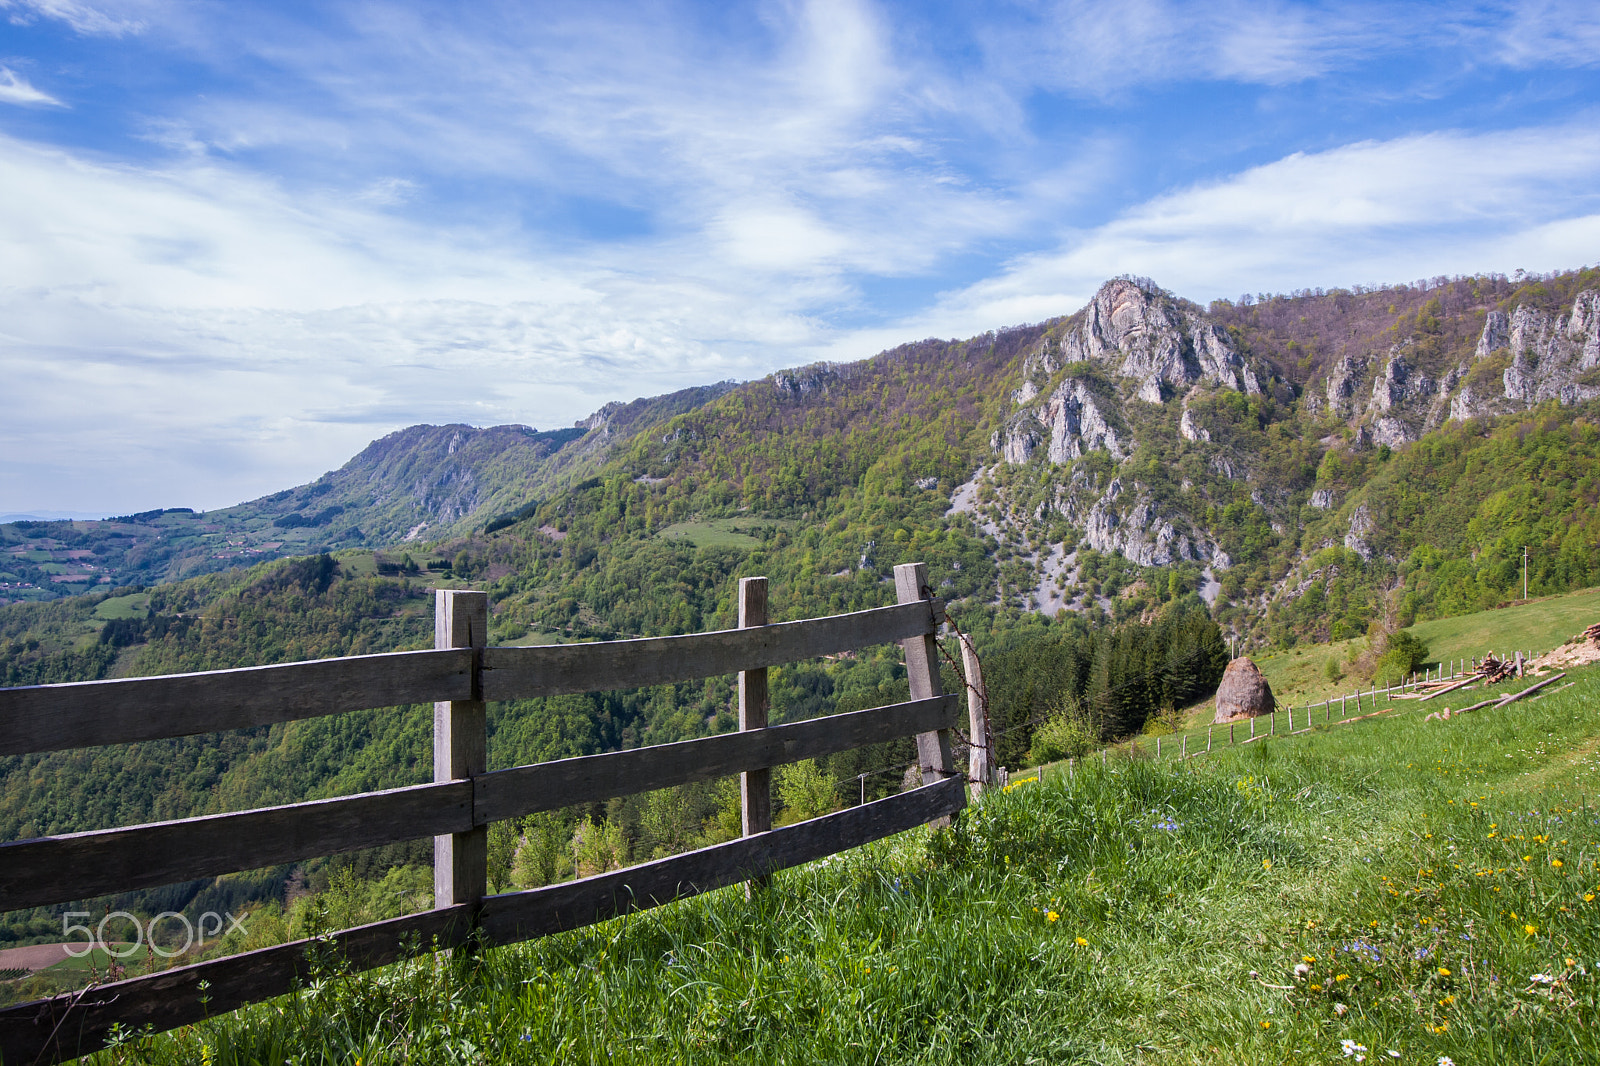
(1408, 891)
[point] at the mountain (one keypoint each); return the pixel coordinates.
(1305, 463)
(420, 482)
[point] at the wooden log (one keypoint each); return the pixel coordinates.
(980, 764)
(555, 669)
(523, 915)
(56, 869)
(922, 671)
(42, 718)
(460, 751)
(1514, 697)
(1449, 688)
(522, 790)
(67, 1026)
(755, 785)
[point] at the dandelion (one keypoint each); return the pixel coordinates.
(1316, 988)
(1557, 863)
(1052, 916)
(1082, 943)
(1588, 897)
(1530, 929)
(1266, 1025)
(1342, 977)
(1266, 864)
(1446, 1001)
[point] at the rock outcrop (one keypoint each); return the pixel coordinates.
(1136, 529)
(1137, 331)
(1551, 358)
(1068, 423)
(1244, 692)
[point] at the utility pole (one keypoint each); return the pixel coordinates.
(1524, 571)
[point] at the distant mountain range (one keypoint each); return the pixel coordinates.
(1307, 462)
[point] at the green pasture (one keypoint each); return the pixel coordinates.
(724, 532)
(136, 605)
(1298, 675)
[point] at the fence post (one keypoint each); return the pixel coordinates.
(980, 758)
(922, 670)
(460, 748)
(755, 786)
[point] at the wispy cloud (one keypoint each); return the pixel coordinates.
(14, 89)
(84, 18)
(1379, 211)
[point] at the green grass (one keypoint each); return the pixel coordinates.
(723, 532)
(1538, 625)
(1297, 677)
(1147, 911)
(134, 606)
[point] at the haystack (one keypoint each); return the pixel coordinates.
(1244, 692)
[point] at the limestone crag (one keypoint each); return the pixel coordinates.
(1137, 530)
(1358, 539)
(1551, 358)
(1138, 331)
(1069, 423)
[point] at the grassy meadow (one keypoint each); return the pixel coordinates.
(1412, 892)
(1298, 675)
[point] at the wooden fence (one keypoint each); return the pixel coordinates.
(458, 676)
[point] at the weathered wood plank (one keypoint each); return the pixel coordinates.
(460, 751)
(82, 714)
(46, 870)
(542, 911)
(548, 786)
(53, 1030)
(755, 785)
(555, 669)
(922, 671)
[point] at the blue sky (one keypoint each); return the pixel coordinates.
(238, 241)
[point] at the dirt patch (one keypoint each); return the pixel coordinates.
(38, 956)
(1581, 650)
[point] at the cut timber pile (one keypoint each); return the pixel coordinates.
(1494, 670)
(1579, 651)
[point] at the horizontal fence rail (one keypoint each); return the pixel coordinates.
(458, 676)
(82, 714)
(57, 869)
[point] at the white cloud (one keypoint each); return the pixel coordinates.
(1380, 211)
(14, 89)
